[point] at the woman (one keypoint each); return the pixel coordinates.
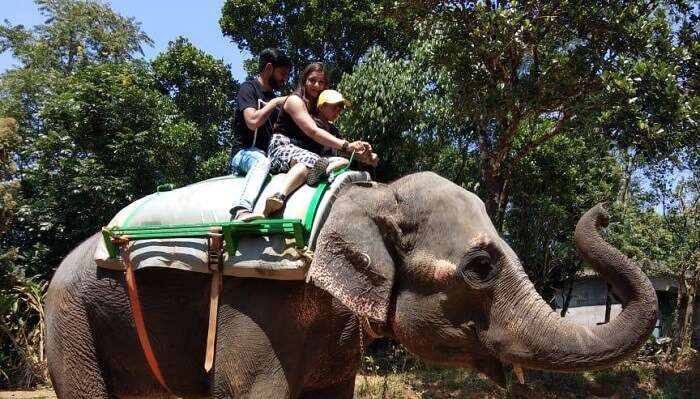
(297, 141)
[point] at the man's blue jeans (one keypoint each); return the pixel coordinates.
(252, 163)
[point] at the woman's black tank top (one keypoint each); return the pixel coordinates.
(286, 126)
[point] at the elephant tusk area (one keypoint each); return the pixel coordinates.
(519, 373)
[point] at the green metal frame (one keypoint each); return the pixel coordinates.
(231, 231)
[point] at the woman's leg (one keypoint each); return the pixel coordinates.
(295, 178)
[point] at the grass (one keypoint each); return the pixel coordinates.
(409, 378)
(22, 362)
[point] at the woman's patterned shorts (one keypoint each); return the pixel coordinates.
(282, 152)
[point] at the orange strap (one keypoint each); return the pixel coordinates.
(213, 307)
(138, 317)
(215, 256)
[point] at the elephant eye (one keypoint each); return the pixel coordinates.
(477, 269)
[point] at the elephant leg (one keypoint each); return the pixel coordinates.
(71, 351)
(343, 390)
(263, 388)
(246, 367)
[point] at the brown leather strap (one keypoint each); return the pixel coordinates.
(138, 317)
(215, 258)
(213, 310)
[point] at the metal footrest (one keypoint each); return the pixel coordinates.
(232, 231)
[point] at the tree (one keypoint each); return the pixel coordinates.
(613, 68)
(108, 136)
(336, 32)
(9, 140)
(104, 129)
(98, 131)
(400, 106)
(203, 90)
(75, 32)
(550, 189)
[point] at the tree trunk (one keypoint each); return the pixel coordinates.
(567, 298)
(496, 192)
(688, 326)
(677, 326)
(626, 179)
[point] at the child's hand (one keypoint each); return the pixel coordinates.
(370, 159)
(368, 146)
(358, 147)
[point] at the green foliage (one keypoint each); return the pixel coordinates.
(76, 32)
(109, 131)
(613, 68)
(22, 332)
(203, 90)
(9, 140)
(665, 243)
(108, 136)
(336, 32)
(551, 188)
(401, 107)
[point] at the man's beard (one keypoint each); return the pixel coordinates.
(274, 83)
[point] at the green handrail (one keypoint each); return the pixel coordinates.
(231, 231)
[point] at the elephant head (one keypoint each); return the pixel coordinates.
(421, 257)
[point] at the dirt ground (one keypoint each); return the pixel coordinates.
(632, 379)
(40, 394)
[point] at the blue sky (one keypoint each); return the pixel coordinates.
(162, 21)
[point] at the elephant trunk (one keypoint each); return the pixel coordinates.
(524, 330)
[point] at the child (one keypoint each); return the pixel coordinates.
(330, 104)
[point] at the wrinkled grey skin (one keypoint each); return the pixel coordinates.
(420, 256)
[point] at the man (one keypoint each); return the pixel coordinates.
(256, 113)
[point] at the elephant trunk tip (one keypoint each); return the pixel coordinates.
(601, 214)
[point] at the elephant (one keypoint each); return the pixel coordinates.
(417, 260)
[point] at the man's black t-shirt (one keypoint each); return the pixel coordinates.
(248, 95)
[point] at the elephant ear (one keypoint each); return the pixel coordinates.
(353, 257)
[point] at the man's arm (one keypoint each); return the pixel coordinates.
(255, 118)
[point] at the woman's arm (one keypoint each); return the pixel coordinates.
(295, 107)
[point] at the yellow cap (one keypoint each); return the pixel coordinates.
(332, 97)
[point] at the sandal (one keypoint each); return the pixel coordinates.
(244, 215)
(318, 172)
(274, 204)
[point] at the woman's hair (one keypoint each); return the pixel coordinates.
(301, 87)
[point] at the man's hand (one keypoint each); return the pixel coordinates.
(279, 101)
